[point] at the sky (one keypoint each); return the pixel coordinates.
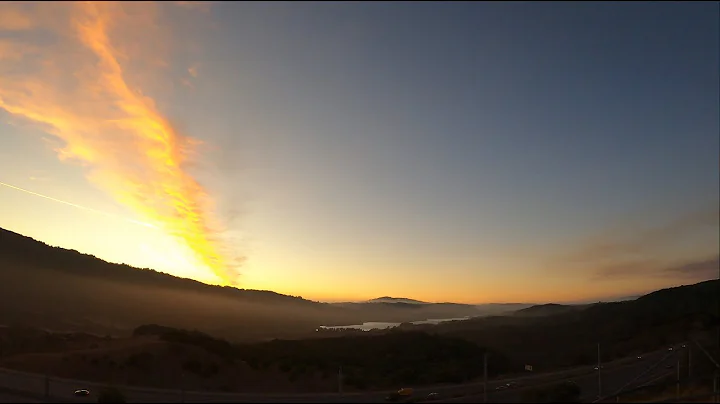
(468, 152)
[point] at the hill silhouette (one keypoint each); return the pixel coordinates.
(569, 338)
(29, 252)
(388, 299)
(61, 289)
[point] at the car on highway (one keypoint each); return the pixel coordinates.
(400, 394)
(639, 357)
(81, 393)
(432, 396)
(670, 349)
(599, 367)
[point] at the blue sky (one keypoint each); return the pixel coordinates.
(441, 151)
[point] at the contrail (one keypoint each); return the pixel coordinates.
(80, 206)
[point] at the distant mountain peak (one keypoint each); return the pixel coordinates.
(389, 299)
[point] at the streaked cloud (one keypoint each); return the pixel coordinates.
(702, 269)
(615, 245)
(663, 250)
(694, 270)
(84, 76)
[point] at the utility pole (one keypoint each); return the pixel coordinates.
(677, 384)
(599, 370)
(689, 350)
(340, 377)
(182, 387)
(485, 376)
(716, 378)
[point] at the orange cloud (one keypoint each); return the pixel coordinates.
(84, 88)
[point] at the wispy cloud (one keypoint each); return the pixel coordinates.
(660, 251)
(702, 269)
(696, 270)
(79, 74)
(620, 246)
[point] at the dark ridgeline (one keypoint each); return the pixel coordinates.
(28, 252)
(569, 336)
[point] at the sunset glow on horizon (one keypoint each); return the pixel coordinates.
(471, 153)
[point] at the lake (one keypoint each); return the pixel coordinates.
(376, 325)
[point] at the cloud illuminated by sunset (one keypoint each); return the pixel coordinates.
(78, 69)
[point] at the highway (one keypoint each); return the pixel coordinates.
(614, 376)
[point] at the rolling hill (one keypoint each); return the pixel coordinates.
(60, 289)
(564, 336)
(387, 299)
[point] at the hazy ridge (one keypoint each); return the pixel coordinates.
(64, 289)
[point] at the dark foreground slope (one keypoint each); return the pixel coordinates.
(160, 356)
